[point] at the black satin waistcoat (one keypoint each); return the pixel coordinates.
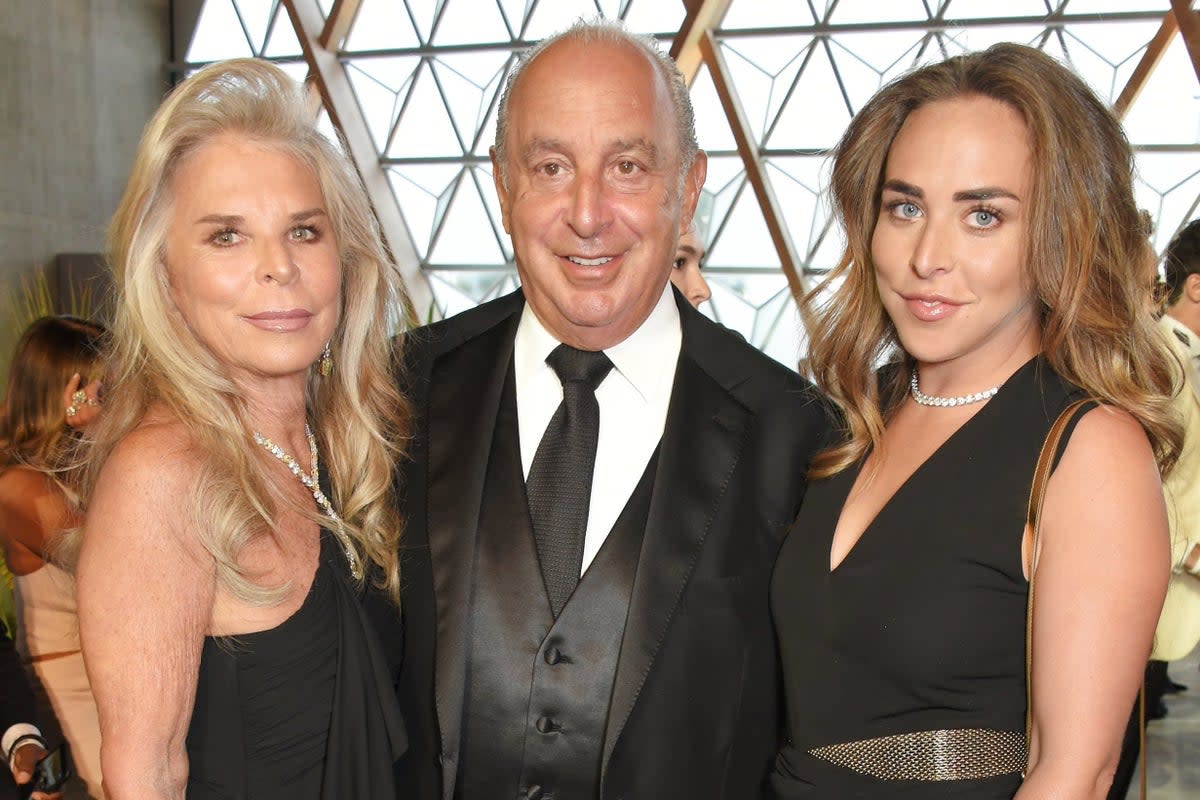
(538, 689)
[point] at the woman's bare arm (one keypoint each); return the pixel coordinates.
(145, 591)
(1101, 578)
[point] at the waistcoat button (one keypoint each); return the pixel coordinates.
(553, 656)
(546, 725)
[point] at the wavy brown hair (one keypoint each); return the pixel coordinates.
(33, 427)
(357, 413)
(1084, 252)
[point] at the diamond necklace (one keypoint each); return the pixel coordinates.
(943, 402)
(312, 482)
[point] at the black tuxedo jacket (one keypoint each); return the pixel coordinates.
(695, 708)
(16, 699)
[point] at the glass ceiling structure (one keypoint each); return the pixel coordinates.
(413, 85)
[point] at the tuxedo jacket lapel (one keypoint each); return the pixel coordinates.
(464, 398)
(701, 442)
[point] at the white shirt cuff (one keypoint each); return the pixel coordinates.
(13, 733)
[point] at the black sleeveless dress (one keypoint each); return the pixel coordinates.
(303, 711)
(922, 626)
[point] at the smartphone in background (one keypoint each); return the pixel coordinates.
(54, 770)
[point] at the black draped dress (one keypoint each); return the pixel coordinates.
(303, 711)
(922, 626)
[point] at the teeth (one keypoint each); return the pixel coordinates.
(589, 262)
(931, 303)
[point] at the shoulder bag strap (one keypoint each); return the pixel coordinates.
(1037, 497)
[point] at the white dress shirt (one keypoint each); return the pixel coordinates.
(633, 402)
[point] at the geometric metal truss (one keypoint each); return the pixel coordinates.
(773, 84)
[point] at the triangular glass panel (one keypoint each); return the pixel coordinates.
(829, 241)
(783, 337)
(726, 179)
(1116, 6)
(816, 114)
(282, 42)
(326, 128)
(515, 13)
(611, 9)
(256, 16)
(653, 16)
(798, 195)
(380, 25)
(485, 137)
(1054, 45)
(1105, 55)
(849, 12)
(887, 53)
(1175, 206)
(482, 176)
(744, 14)
(377, 102)
(989, 9)
(393, 72)
(981, 37)
(420, 190)
(1167, 111)
(782, 58)
(326, 6)
(469, 82)
(752, 85)
(455, 291)
(859, 79)
(727, 305)
(712, 126)
(550, 18)
(466, 235)
(218, 34)
(424, 14)
(1166, 174)
(774, 298)
(296, 70)
(744, 241)
(470, 22)
(759, 287)
(938, 46)
(424, 128)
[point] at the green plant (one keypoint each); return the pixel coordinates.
(35, 298)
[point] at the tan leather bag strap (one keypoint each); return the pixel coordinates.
(1037, 497)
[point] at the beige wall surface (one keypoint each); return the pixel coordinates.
(78, 81)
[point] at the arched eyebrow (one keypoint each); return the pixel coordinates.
(237, 219)
(984, 193)
(967, 195)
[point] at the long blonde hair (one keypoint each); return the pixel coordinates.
(357, 413)
(1084, 253)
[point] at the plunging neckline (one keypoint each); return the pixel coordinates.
(853, 473)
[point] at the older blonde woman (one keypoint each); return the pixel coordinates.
(239, 493)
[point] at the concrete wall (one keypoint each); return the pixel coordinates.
(78, 81)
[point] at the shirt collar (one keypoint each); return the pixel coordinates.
(639, 358)
(1176, 328)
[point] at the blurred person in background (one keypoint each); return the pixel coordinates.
(689, 261)
(37, 443)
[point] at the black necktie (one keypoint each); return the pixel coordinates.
(559, 486)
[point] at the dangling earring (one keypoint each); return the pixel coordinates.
(325, 366)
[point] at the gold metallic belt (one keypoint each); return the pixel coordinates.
(949, 755)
